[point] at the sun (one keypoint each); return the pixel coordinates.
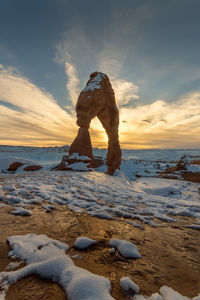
(98, 135)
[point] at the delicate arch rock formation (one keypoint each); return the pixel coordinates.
(97, 99)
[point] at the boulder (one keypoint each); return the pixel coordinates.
(182, 168)
(14, 166)
(67, 161)
(32, 168)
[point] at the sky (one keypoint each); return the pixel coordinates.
(148, 48)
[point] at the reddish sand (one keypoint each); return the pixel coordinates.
(170, 254)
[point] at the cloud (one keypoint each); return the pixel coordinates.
(162, 124)
(73, 83)
(74, 52)
(125, 91)
(78, 51)
(77, 48)
(30, 115)
(110, 60)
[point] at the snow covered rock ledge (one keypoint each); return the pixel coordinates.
(46, 258)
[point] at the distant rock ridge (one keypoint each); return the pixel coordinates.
(187, 168)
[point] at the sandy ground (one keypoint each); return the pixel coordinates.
(170, 254)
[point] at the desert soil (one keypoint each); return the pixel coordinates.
(170, 254)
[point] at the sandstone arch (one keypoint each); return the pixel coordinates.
(97, 99)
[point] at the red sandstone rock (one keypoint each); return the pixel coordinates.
(32, 168)
(181, 167)
(66, 161)
(98, 99)
(14, 166)
(82, 143)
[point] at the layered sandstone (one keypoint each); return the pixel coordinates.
(97, 99)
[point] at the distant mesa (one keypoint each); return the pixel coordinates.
(97, 99)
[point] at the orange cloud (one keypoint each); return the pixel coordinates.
(162, 124)
(34, 118)
(31, 116)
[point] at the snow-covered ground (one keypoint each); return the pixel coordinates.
(135, 195)
(134, 162)
(149, 200)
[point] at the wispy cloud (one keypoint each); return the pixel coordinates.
(162, 124)
(31, 116)
(34, 117)
(125, 91)
(73, 83)
(159, 124)
(77, 51)
(110, 60)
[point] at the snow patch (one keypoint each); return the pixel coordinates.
(128, 286)
(166, 293)
(13, 265)
(21, 212)
(46, 258)
(126, 249)
(84, 243)
(94, 83)
(75, 155)
(49, 208)
(78, 166)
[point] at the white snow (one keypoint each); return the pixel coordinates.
(166, 293)
(21, 212)
(75, 155)
(94, 83)
(136, 225)
(125, 248)
(128, 286)
(12, 199)
(2, 295)
(13, 265)
(148, 200)
(193, 226)
(25, 247)
(135, 194)
(84, 242)
(76, 256)
(46, 258)
(79, 166)
(193, 168)
(112, 251)
(5, 162)
(155, 296)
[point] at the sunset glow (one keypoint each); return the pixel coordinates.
(157, 93)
